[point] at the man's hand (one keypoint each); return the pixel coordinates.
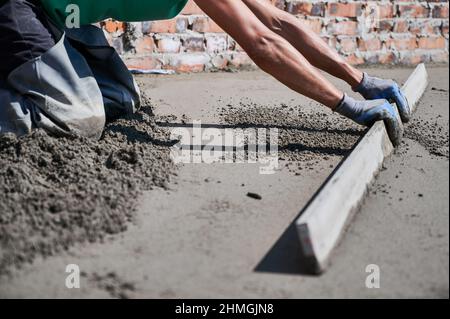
(372, 88)
(368, 112)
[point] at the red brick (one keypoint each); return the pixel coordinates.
(143, 63)
(194, 44)
(440, 12)
(432, 43)
(414, 11)
(401, 26)
(186, 63)
(343, 27)
(425, 27)
(354, 59)
(169, 45)
(144, 45)
(385, 25)
(348, 45)
(369, 44)
(240, 60)
(220, 62)
(413, 59)
(386, 11)
(306, 8)
(349, 10)
(402, 44)
(315, 24)
(280, 4)
(444, 28)
(164, 26)
(205, 25)
(112, 26)
(386, 58)
(216, 44)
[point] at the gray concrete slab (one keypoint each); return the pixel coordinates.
(205, 238)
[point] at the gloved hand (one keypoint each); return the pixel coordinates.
(368, 112)
(372, 88)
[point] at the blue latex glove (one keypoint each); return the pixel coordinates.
(368, 112)
(372, 88)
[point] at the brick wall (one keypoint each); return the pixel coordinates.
(365, 32)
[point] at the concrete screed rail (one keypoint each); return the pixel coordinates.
(322, 222)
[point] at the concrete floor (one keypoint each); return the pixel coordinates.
(206, 239)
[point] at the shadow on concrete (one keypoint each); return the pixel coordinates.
(291, 147)
(135, 135)
(348, 131)
(285, 256)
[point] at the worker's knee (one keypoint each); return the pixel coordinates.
(76, 115)
(57, 114)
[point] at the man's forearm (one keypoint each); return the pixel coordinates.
(305, 40)
(271, 52)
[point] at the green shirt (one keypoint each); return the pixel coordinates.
(92, 11)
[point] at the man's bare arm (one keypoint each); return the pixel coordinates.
(305, 40)
(270, 51)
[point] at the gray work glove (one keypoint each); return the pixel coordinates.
(372, 88)
(368, 112)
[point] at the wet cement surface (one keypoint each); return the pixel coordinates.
(204, 236)
(56, 192)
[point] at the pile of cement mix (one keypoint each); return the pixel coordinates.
(55, 192)
(304, 137)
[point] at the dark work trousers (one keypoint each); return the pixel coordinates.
(24, 34)
(65, 81)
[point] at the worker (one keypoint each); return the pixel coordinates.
(70, 81)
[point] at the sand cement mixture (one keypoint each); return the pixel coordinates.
(59, 191)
